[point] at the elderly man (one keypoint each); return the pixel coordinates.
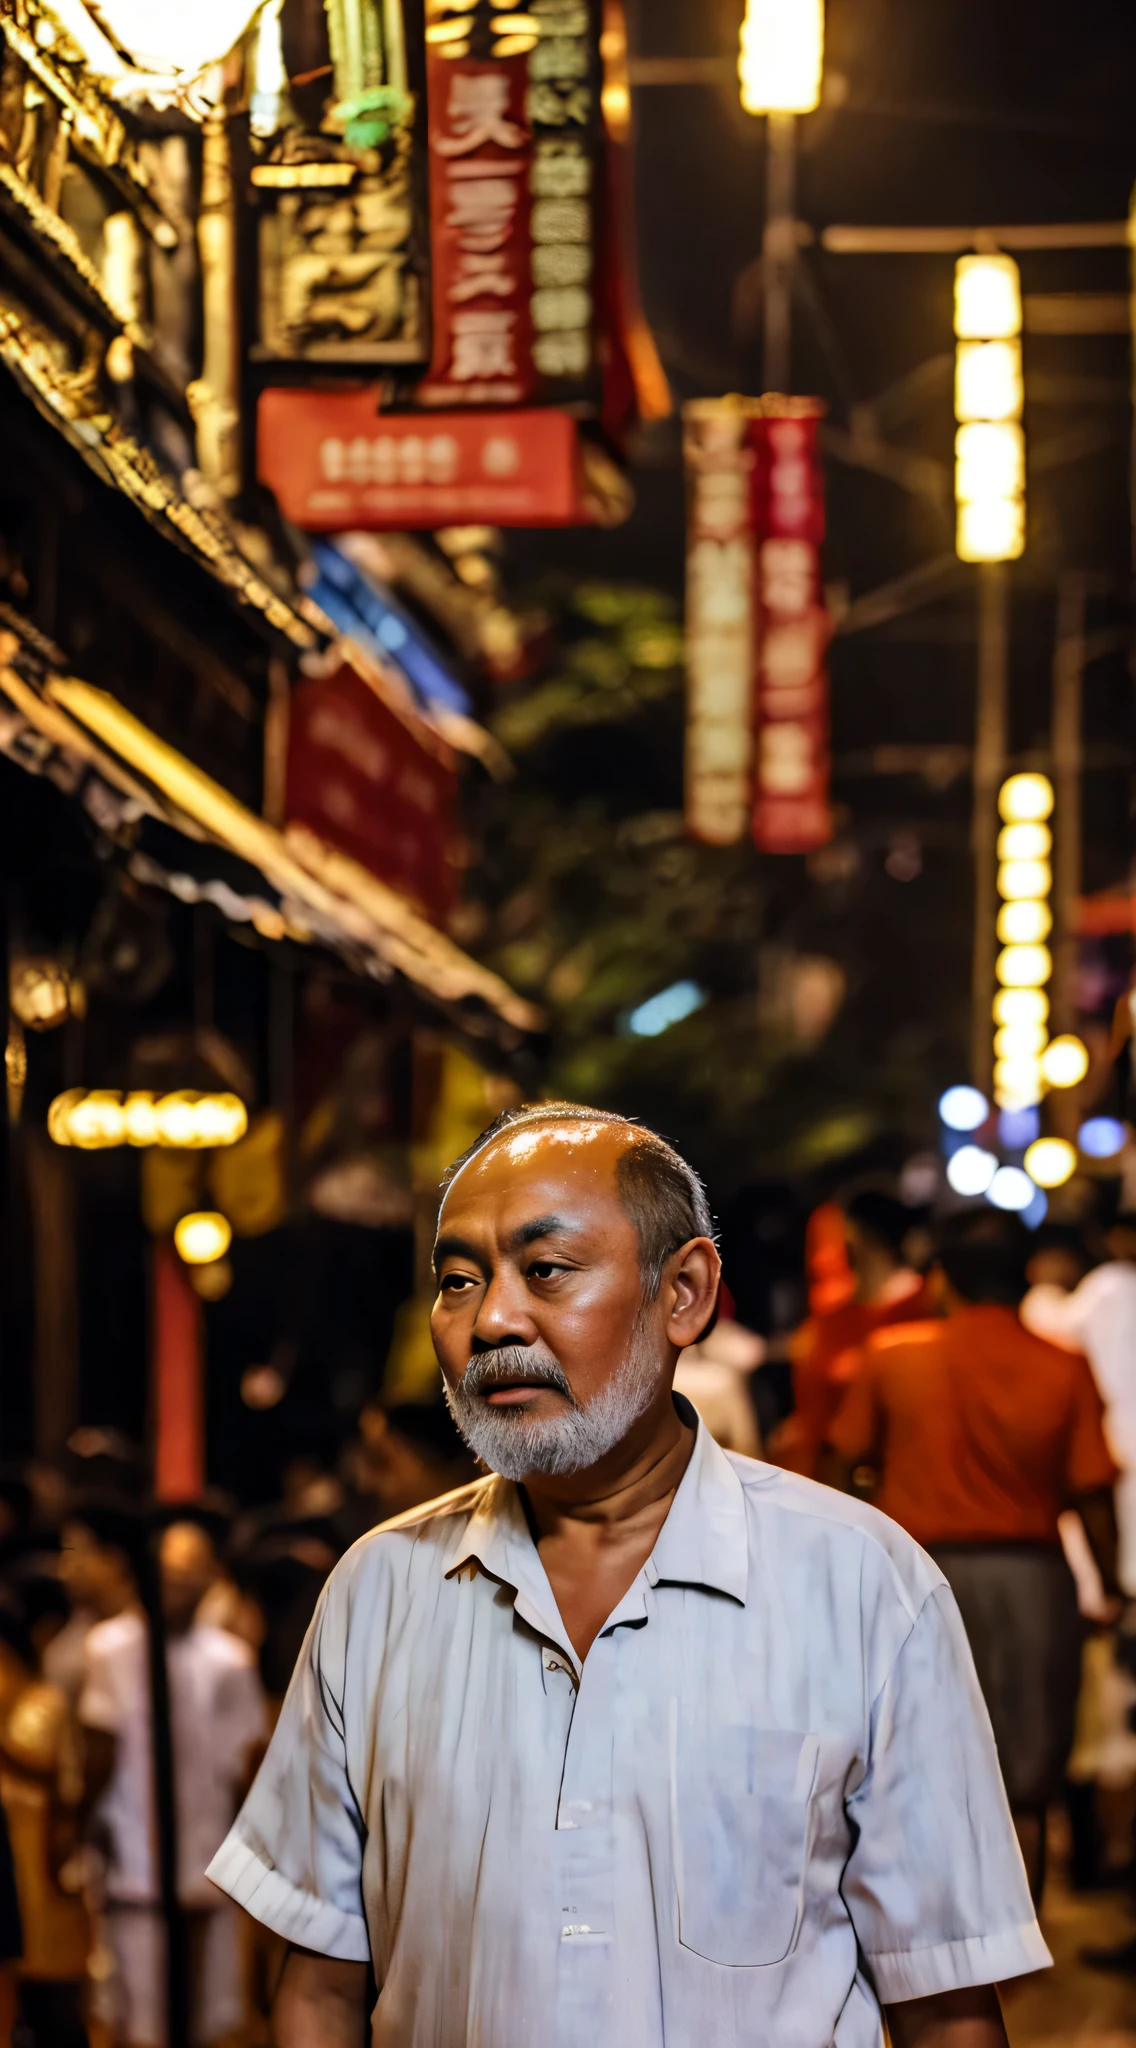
(636, 1741)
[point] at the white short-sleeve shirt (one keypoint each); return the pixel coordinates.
(216, 1715)
(767, 1801)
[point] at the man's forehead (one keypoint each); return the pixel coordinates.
(581, 1158)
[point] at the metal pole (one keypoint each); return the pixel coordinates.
(1068, 680)
(989, 767)
(779, 247)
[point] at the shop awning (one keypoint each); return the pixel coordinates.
(182, 832)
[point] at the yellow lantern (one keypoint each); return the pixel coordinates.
(1051, 1162)
(1021, 1006)
(1025, 842)
(1065, 1061)
(1024, 966)
(1025, 799)
(1019, 1041)
(1020, 880)
(988, 298)
(781, 56)
(202, 1236)
(1024, 923)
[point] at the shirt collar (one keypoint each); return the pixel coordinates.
(703, 1542)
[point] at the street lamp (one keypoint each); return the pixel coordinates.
(1024, 922)
(781, 70)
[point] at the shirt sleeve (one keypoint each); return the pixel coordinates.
(294, 1856)
(855, 1426)
(935, 1884)
(1090, 1465)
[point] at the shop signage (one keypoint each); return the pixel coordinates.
(334, 461)
(365, 781)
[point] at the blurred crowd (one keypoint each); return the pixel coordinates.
(975, 1380)
(121, 1767)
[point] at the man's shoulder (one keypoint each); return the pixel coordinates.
(219, 1647)
(122, 1633)
(809, 1513)
(435, 1525)
(920, 1335)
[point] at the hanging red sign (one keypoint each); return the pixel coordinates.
(757, 631)
(359, 776)
(334, 461)
(480, 164)
(791, 767)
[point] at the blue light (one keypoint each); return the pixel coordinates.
(963, 1108)
(393, 633)
(1101, 1138)
(373, 617)
(1037, 1211)
(669, 1007)
(1018, 1128)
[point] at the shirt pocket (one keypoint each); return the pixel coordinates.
(740, 1800)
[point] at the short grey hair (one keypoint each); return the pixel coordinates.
(659, 1189)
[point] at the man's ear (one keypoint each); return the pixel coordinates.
(690, 1291)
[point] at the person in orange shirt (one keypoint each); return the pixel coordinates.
(827, 1348)
(982, 1435)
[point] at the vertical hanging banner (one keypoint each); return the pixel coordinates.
(516, 164)
(721, 569)
(480, 160)
(791, 768)
(757, 631)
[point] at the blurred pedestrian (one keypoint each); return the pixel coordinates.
(981, 1434)
(217, 1724)
(401, 1457)
(41, 1790)
(96, 1573)
(632, 1740)
(1099, 1318)
(827, 1348)
(11, 1937)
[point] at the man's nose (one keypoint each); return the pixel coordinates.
(502, 1314)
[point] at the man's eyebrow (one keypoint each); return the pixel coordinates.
(456, 1248)
(541, 1226)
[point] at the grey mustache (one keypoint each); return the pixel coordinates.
(489, 1369)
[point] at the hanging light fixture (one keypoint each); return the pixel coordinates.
(781, 56)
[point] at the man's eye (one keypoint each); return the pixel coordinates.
(452, 1283)
(545, 1269)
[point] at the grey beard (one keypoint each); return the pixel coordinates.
(512, 1443)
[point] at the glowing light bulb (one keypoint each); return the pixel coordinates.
(202, 1237)
(1021, 1006)
(1019, 880)
(1065, 1061)
(963, 1108)
(990, 530)
(97, 1121)
(1024, 966)
(1051, 1162)
(988, 381)
(781, 56)
(970, 1170)
(1024, 923)
(1025, 842)
(1011, 1189)
(1019, 1041)
(988, 298)
(1025, 799)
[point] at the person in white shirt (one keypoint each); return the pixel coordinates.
(1099, 1318)
(635, 1740)
(217, 1722)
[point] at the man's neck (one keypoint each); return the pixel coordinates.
(632, 1486)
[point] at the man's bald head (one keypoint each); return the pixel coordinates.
(660, 1193)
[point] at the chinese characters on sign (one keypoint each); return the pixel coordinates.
(480, 153)
(335, 461)
(757, 630)
(720, 580)
(790, 809)
(514, 143)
